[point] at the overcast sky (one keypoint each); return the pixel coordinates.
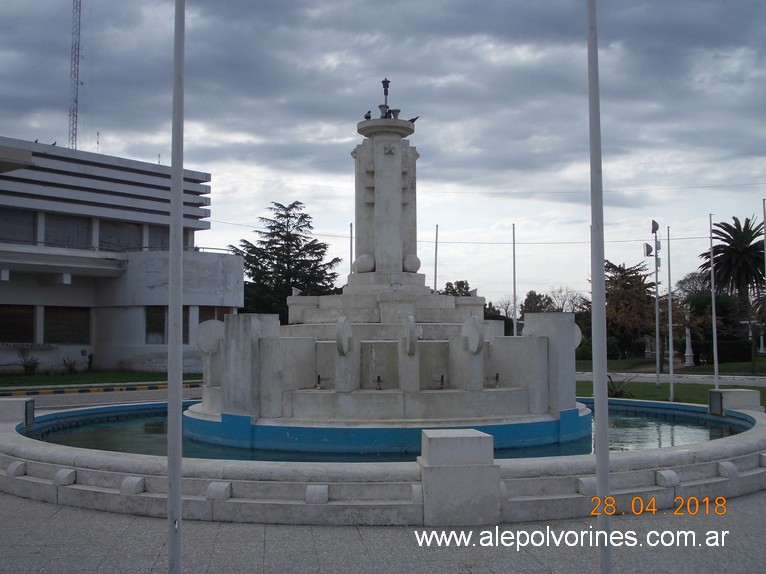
(275, 88)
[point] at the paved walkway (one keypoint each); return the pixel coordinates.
(36, 537)
(743, 380)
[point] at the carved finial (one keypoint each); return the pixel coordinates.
(386, 82)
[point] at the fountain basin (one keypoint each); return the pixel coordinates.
(377, 493)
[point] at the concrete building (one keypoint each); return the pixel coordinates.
(84, 257)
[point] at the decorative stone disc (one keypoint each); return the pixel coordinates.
(209, 335)
(343, 336)
(578, 335)
(473, 335)
(364, 264)
(411, 263)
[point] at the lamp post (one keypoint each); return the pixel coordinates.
(648, 251)
(712, 297)
(764, 263)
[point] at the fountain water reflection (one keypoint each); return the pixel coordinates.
(146, 435)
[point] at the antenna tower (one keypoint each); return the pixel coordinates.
(74, 74)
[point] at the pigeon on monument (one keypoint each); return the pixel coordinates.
(413, 120)
(368, 115)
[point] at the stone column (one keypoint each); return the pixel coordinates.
(241, 380)
(386, 220)
(467, 356)
(347, 362)
(209, 338)
(563, 338)
(408, 357)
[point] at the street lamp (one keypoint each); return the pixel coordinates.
(712, 306)
(648, 251)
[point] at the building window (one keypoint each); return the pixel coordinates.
(207, 313)
(159, 238)
(157, 325)
(119, 236)
(67, 231)
(66, 325)
(17, 324)
(17, 226)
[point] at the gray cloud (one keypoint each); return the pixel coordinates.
(274, 90)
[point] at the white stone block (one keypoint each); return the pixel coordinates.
(218, 491)
(13, 410)
(456, 447)
(728, 469)
(586, 485)
(65, 477)
(463, 495)
(667, 478)
(16, 468)
(132, 485)
(739, 399)
(317, 493)
(461, 483)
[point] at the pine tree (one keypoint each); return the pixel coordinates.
(284, 258)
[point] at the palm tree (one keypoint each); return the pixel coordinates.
(738, 266)
(737, 259)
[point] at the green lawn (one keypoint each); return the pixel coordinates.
(88, 378)
(648, 366)
(683, 393)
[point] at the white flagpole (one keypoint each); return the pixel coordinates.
(670, 322)
(175, 300)
(436, 258)
(598, 283)
(515, 330)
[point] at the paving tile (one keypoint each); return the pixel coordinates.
(291, 562)
(41, 538)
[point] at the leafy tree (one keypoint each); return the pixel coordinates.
(458, 289)
(505, 306)
(566, 299)
(284, 258)
(691, 285)
(629, 303)
(537, 303)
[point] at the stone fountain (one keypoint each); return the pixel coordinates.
(369, 369)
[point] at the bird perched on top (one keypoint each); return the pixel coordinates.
(368, 115)
(413, 120)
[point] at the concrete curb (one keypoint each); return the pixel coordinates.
(82, 389)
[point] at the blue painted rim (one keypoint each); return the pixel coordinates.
(238, 431)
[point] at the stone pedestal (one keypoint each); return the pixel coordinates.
(461, 483)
